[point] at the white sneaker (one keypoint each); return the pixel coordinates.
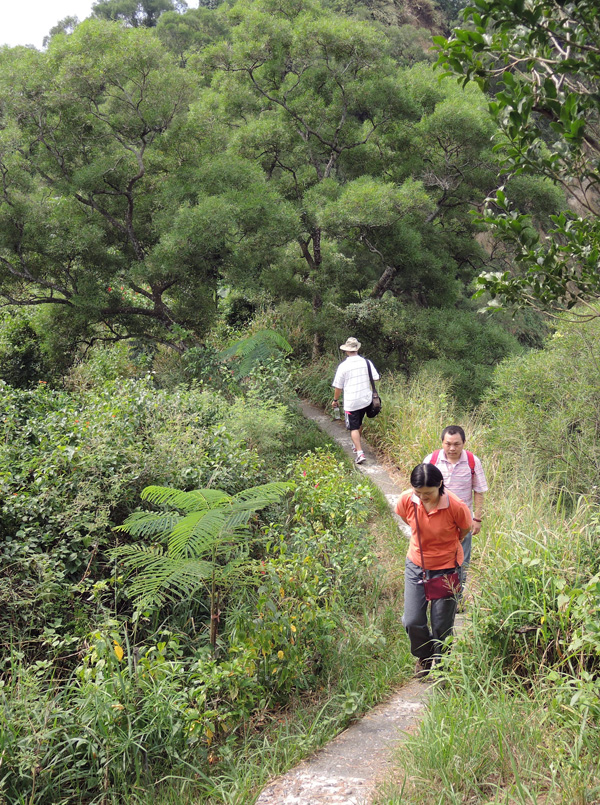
(354, 450)
(360, 457)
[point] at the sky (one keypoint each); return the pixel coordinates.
(27, 22)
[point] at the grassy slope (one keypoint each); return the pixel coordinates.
(515, 716)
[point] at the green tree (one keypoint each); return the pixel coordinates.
(185, 34)
(441, 165)
(65, 26)
(318, 101)
(136, 13)
(114, 210)
(543, 60)
(309, 87)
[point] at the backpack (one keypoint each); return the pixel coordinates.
(470, 459)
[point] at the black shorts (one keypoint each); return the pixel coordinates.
(354, 419)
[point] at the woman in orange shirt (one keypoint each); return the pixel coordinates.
(443, 521)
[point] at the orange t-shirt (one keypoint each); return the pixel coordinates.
(440, 529)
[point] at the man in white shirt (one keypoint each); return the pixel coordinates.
(463, 475)
(352, 378)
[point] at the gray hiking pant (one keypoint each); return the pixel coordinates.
(425, 641)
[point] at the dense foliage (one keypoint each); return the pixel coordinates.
(159, 646)
(288, 151)
(541, 59)
(162, 700)
(547, 404)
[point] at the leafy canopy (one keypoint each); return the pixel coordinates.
(113, 208)
(542, 58)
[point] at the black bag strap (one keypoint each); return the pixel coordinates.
(421, 546)
(419, 538)
(370, 374)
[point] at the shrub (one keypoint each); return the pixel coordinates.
(72, 466)
(544, 410)
(261, 424)
(21, 360)
(109, 363)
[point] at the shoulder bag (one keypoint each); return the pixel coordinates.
(374, 406)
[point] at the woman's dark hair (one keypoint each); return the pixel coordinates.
(426, 475)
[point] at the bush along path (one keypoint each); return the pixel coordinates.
(346, 771)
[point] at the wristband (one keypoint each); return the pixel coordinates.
(476, 519)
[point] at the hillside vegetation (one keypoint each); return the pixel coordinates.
(198, 206)
(516, 713)
(161, 169)
(183, 587)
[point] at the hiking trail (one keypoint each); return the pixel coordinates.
(347, 770)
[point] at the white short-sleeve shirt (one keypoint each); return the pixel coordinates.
(353, 377)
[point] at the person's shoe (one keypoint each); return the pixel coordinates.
(360, 457)
(354, 450)
(422, 668)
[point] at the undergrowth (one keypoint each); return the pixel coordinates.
(107, 698)
(515, 710)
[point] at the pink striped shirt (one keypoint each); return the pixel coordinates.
(458, 477)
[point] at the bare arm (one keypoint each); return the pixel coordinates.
(477, 512)
(463, 533)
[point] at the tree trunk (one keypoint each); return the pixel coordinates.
(318, 340)
(384, 282)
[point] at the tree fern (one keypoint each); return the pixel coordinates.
(258, 348)
(196, 536)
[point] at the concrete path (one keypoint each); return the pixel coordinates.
(346, 771)
(372, 467)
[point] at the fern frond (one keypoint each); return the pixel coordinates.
(196, 500)
(238, 519)
(258, 348)
(273, 491)
(197, 533)
(138, 556)
(173, 581)
(148, 524)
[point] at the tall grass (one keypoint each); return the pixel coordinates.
(514, 717)
(413, 416)
(490, 744)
